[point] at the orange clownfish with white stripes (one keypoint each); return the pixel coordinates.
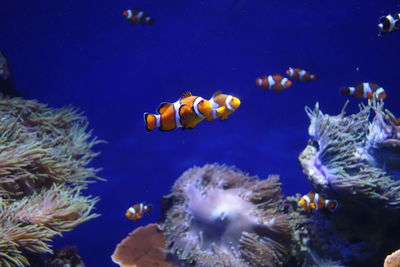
(136, 16)
(368, 90)
(316, 201)
(275, 82)
(298, 74)
(136, 212)
(222, 106)
(186, 113)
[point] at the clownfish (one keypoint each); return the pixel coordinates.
(316, 201)
(136, 16)
(298, 74)
(275, 82)
(186, 113)
(365, 90)
(389, 23)
(136, 212)
(222, 106)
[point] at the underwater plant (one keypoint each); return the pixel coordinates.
(222, 216)
(43, 169)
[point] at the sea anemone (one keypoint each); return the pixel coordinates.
(43, 171)
(383, 140)
(349, 155)
(221, 216)
(355, 160)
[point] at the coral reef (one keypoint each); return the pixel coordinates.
(6, 82)
(65, 257)
(221, 216)
(355, 160)
(349, 156)
(383, 140)
(392, 260)
(144, 247)
(44, 154)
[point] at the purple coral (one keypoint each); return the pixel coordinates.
(221, 215)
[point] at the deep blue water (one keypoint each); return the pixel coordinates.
(86, 54)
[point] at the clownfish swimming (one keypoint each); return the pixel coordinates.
(275, 82)
(136, 212)
(368, 90)
(136, 16)
(316, 201)
(389, 23)
(222, 106)
(298, 74)
(186, 113)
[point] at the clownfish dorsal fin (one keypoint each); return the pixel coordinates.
(185, 94)
(163, 107)
(216, 93)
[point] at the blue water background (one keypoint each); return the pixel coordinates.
(86, 54)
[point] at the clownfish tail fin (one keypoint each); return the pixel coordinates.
(150, 122)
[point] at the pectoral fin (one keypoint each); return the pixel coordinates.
(222, 113)
(184, 111)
